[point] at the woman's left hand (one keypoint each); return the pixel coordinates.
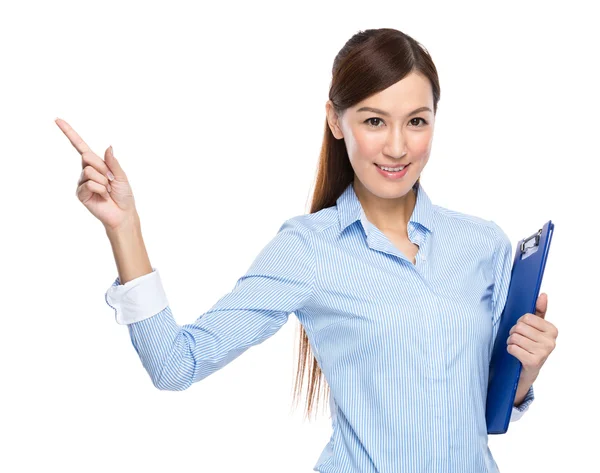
(532, 339)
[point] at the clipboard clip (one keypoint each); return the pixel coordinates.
(537, 241)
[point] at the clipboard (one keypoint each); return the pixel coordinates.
(523, 291)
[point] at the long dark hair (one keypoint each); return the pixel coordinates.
(371, 61)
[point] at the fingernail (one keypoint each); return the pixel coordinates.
(110, 176)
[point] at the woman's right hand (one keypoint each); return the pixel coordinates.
(110, 201)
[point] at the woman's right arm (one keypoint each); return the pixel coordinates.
(279, 281)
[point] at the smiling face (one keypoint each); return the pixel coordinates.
(393, 127)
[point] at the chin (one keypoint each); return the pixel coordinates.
(388, 190)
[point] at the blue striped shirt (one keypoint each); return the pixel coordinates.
(405, 348)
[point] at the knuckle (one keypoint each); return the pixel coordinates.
(87, 157)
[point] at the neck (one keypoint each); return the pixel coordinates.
(390, 215)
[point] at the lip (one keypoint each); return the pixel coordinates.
(393, 175)
(393, 166)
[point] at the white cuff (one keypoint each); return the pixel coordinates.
(138, 299)
(517, 412)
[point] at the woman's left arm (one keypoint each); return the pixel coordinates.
(531, 341)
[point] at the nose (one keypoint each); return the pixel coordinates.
(395, 144)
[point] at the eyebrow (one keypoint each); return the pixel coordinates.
(381, 112)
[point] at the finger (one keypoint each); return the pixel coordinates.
(525, 343)
(527, 331)
(541, 305)
(88, 157)
(533, 320)
(520, 354)
(74, 138)
(113, 164)
(86, 191)
(89, 173)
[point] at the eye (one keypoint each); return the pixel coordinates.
(419, 118)
(368, 122)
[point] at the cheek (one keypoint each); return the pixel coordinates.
(367, 145)
(421, 144)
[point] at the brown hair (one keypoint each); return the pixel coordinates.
(371, 61)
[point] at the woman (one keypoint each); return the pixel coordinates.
(399, 299)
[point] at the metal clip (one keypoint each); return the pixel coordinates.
(537, 240)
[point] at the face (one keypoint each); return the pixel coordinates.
(392, 135)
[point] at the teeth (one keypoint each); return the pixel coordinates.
(392, 169)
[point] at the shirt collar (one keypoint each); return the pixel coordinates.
(350, 209)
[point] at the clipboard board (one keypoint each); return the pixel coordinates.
(523, 291)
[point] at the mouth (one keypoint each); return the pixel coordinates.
(393, 175)
(393, 167)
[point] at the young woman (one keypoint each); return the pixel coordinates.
(398, 299)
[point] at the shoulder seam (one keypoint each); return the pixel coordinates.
(309, 234)
(314, 274)
(318, 230)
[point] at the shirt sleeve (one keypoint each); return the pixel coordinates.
(503, 261)
(278, 282)
(137, 299)
(518, 411)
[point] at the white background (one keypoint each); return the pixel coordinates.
(216, 113)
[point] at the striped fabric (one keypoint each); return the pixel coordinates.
(405, 347)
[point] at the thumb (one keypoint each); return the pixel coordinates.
(541, 305)
(113, 164)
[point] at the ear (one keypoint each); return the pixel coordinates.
(333, 120)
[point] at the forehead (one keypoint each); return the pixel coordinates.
(412, 92)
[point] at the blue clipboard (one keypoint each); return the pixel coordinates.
(505, 369)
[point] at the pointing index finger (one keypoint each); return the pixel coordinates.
(76, 140)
